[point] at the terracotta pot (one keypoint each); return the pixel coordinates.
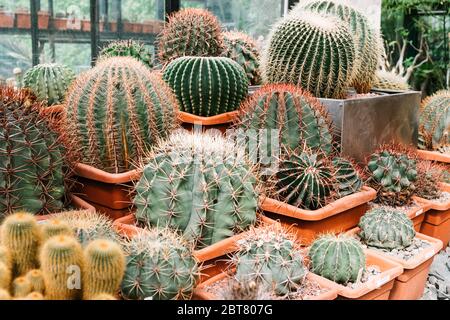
(137, 28)
(434, 156)
(60, 24)
(411, 284)
(110, 193)
(43, 18)
(220, 122)
(23, 20)
(128, 27)
(76, 202)
(339, 216)
(86, 25)
(147, 27)
(201, 294)
(213, 257)
(437, 220)
(379, 287)
(113, 27)
(6, 19)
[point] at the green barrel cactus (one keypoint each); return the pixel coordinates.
(32, 171)
(127, 48)
(306, 180)
(49, 82)
(389, 81)
(393, 173)
(117, 111)
(386, 228)
(366, 38)
(190, 32)
(200, 185)
(241, 48)
(270, 257)
(207, 86)
(160, 266)
(313, 51)
(338, 258)
(434, 121)
(293, 115)
(349, 180)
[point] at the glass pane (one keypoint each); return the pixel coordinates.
(254, 17)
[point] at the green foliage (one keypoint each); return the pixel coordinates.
(127, 48)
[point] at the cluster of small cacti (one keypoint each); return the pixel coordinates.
(127, 48)
(199, 184)
(49, 82)
(386, 228)
(45, 261)
(32, 157)
(434, 122)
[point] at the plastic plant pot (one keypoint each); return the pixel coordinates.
(6, 19)
(23, 19)
(43, 18)
(219, 122)
(201, 294)
(60, 24)
(437, 220)
(411, 284)
(433, 156)
(339, 216)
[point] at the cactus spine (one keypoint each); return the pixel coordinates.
(338, 258)
(313, 51)
(160, 266)
(21, 235)
(207, 86)
(349, 180)
(199, 184)
(31, 174)
(116, 111)
(269, 257)
(190, 32)
(127, 48)
(54, 227)
(21, 287)
(61, 256)
(241, 48)
(105, 266)
(49, 82)
(294, 115)
(434, 121)
(34, 296)
(36, 279)
(5, 255)
(390, 81)
(367, 53)
(386, 228)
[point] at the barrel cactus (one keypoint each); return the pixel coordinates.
(200, 185)
(293, 115)
(49, 82)
(434, 121)
(127, 48)
(313, 51)
(306, 180)
(270, 257)
(338, 258)
(160, 266)
(116, 111)
(190, 32)
(386, 228)
(366, 38)
(349, 179)
(241, 48)
(207, 86)
(31, 156)
(389, 81)
(393, 172)
(429, 175)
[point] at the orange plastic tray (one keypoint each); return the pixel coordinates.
(433, 156)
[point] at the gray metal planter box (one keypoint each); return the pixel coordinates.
(365, 123)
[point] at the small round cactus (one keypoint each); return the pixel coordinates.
(116, 112)
(21, 287)
(49, 82)
(349, 180)
(270, 257)
(190, 32)
(389, 81)
(103, 296)
(36, 278)
(434, 121)
(393, 173)
(127, 48)
(241, 48)
(207, 86)
(55, 226)
(160, 266)
(62, 264)
(429, 175)
(199, 184)
(338, 258)
(105, 266)
(21, 235)
(313, 51)
(386, 228)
